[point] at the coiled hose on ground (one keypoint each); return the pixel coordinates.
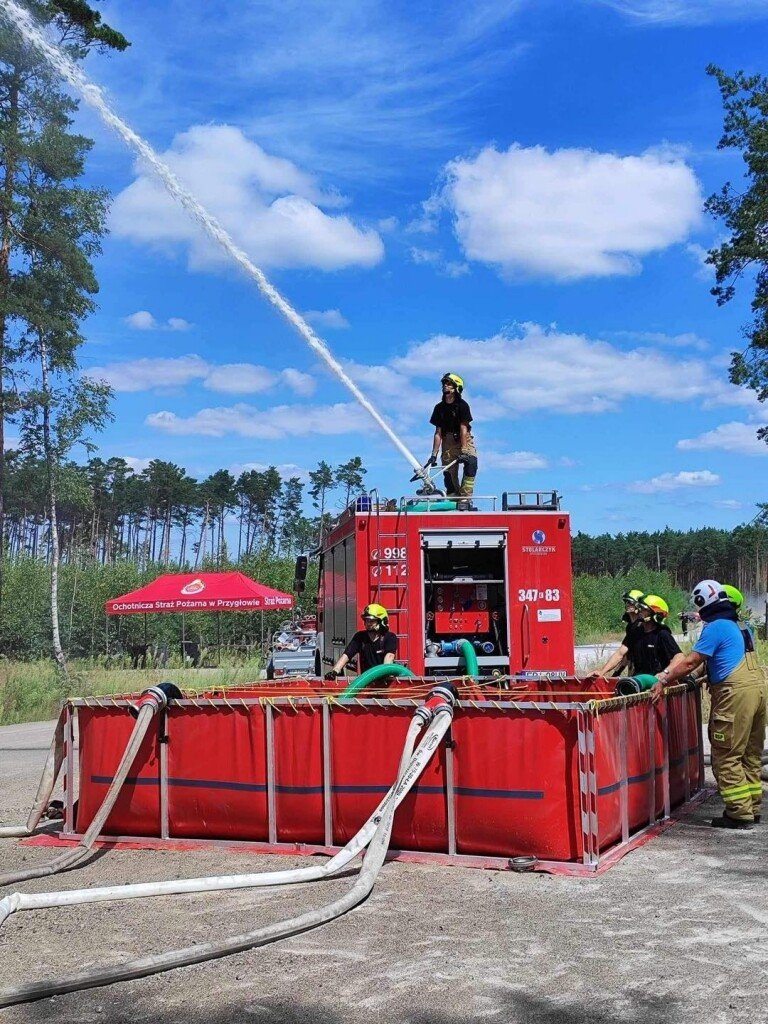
(438, 709)
(150, 702)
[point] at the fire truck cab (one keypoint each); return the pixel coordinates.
(499, 577)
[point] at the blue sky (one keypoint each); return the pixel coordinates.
(511, 192)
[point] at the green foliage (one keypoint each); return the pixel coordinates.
(598, 607)
(86, 585)
(350, 475)
(744, 211)
(80, 26)
(738, 556)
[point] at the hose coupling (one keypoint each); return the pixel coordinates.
(158, 696)
(441, 698)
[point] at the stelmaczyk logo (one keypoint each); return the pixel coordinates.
(195, 587)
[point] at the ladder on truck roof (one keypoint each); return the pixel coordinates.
(391, 589)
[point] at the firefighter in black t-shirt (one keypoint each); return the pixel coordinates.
(619, 660)
(653, 648)
(451, 419)
(374, 645)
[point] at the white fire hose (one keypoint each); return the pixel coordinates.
(376, 831)
(150, 702)
(45, 789)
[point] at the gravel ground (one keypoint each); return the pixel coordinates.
(676, 932)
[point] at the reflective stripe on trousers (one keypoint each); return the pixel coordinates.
(736, 732)
(452, 450)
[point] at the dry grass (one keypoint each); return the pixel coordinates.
(33, 691)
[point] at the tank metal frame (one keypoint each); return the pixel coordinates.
(594, 860)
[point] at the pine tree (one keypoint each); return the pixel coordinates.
(350, 476)
(745, 213)
(49, 232)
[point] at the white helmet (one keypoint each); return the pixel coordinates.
(708, 592)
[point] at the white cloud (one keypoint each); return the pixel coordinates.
(177, 323)
(674, 481)
(136, 464)
(514, 462)
(300, 383)
(270, 207)
(240, 379)
(431, 256)
(228, 378)
(454, 268)
(728, 437)
(358, 79)
(333, 319)
(270, 424)
(143, 320)
(704, 271)
(685, 340)
(728, 503)
(689, 12)
(572, 213)
(540, 368)
(151, 374)
(435, 258)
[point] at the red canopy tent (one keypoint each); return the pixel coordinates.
(200, 592)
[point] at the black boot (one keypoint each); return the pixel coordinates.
(727, 822)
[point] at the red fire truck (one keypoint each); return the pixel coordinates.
(498, 576)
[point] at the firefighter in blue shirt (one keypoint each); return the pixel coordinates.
(738, 711)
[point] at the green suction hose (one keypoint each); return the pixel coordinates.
(634, 684)
(467, 651)
(377, 672)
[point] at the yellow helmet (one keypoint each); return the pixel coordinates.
(735, 596)
(655, 604)
(376, 611)
(455, 379)
(632, 596)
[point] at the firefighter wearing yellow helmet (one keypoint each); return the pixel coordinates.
(619, 660)
(373, 645)
(453, 439)
(648, 646)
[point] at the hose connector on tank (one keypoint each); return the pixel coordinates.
(441, 698)
(631, 685)
(158, 696)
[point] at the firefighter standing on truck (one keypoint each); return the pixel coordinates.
(374, 645)
(451, 419)
(738, 710)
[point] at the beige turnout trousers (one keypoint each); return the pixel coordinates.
(451, 450)
(736, 732)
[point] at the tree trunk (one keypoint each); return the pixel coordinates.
(183, 549)
(9, 182)
(200, 557)
(51, 468)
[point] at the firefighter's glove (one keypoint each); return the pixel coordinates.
(331, 674)
(431, 461)
(463, 458)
